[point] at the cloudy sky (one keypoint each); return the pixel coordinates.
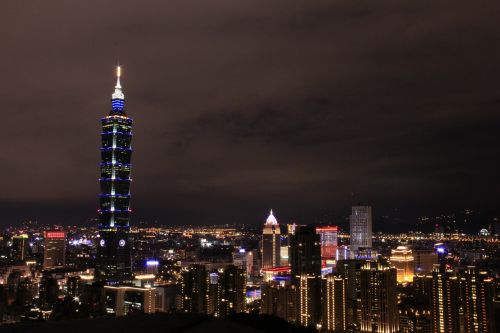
(305, 107)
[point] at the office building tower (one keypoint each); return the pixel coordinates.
(328, 242)
(361, 228)
(20, 247)
(305, 266)
(402, 259)
(213, 293)
(424, 260)
(123, 300)
(445, 300)
(232, 288)
(477, 294)
(54, 254)
(334, 303)
(271, 245)
(305, 252)
(422, 286)
(309, 300)
(351, 270)
(113, 249)
(378, 298)
(194, 289)
(280, 299)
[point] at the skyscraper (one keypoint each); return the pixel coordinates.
(194, 289)
(361, 228)
(305, 252)
(20, 247)
(402, 259)
(232, 282)
(305, 262)
(113, 255)
(271, 243)
(477, 292)
(328, 240)
(445, 300)
(424, 260)
(379, 307)
(54, 254)
(334, 303)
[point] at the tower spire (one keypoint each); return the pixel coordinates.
(271, 219)
(118, 94)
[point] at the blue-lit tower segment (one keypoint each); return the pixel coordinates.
(113, 256)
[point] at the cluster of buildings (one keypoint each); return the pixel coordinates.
(313, 276)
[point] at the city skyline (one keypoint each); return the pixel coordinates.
(258, 167)
(232, 123)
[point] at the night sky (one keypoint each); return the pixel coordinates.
(305, 107)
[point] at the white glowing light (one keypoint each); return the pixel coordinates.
(271, 219)
(118, 94)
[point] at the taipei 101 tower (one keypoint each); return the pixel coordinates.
(113, 263)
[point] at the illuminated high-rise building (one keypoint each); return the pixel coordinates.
(328, 241)
(361, 228)
(113, 256)
(194, 289)
(271, 245)
(309, 300)
(122, 300)
(424, 260)
(402, 259)
(378, 298)
(232, 283)
(351, 270)
(445, 300)
(280, 299)
(305, 252)
(54, 254)
(305, 266)
(20, 247)
(477, 293)
(334, 303)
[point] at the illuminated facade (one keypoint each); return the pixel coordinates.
(20, 247)
(113, 255)
(54, 254)
(328, 241)
(194, 289)
(477, 291)
(309, 300)
(123, 300)
(280, 299)
(271, 245)
(402, 259)
(378, 298)
(334, 303)
(231, 298)
(445, 300)
(361, 228)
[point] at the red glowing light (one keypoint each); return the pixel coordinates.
(327, 228)
(55, 234)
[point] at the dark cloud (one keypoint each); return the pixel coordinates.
(240, 106)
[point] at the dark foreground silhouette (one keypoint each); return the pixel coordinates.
(171, 323)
